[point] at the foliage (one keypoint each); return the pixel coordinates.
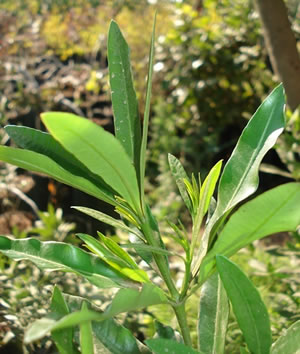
(112, 168)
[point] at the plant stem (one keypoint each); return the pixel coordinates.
(180, 313)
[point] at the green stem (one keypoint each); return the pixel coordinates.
(160, 261)
(181, 318)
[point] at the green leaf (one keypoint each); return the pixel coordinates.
(85, 334)
(213, 316)
(179, 174)
(148, 248)
(114, 337)
(124, 101)
(206, 193)
(249, 309)
(35, 162)
(96, 214)
(98, 150)
(163, 346)
(63, 257)
(289, 342)
(274, 211)
(147, 112)
(163, 331)
(63, 339)
(44, 144)
(118, 251)
(39, 329)
(240, 175)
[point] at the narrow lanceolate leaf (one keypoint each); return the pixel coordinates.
(44, 144)
(124, 101)
(63, 338)
(96, 214)
(147, 112)
(36, 162)
(179, 175)
(274, 211)
(124, 301)
(289, 342)
(206, 193)
(113, 336)
(249, 309)
(63, 257)
(98, 150)
(163, 346)
(85, 334)
(213, 316)
(240, 175)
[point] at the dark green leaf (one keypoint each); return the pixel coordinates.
(62, 338)
(98, 150)
(249, 309)
(274, 211)
(125, 105)
(289, 342)
(163, 346)
(35, 162)
(213, 316)
(63, 257)
(44, 144)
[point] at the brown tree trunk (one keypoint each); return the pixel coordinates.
(281, 46)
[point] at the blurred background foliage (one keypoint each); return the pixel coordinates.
(212, 71)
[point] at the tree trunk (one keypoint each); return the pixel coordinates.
(281, 46)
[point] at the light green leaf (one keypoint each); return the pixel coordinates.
(63, 339)
(118, 251)
(98, 150)
(64, 257)
(147, 112)
(148, 248)
(274, 211)
(39, 329)
(163, 346)
(240, 175)
(289, 342)
(36, 162)
(179, 174)
(125, 105)
(206, 193)
(213, 316)
(96, 214)
(85, 334)
(249, 309)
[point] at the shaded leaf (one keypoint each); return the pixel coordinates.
(249, 309)
(163, 346)
(63, 338)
